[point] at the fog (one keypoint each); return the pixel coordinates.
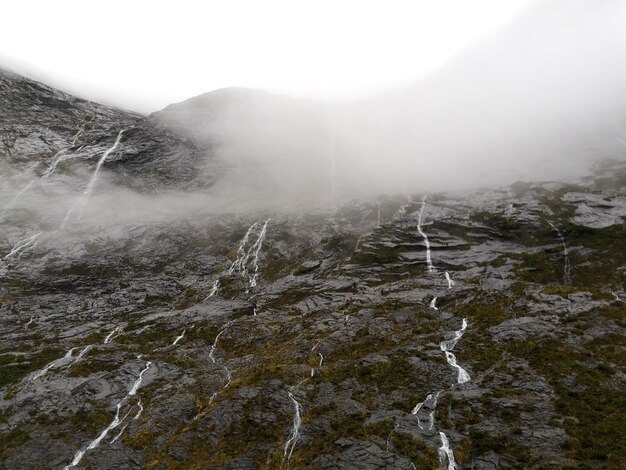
(543, 98)
(540, 99)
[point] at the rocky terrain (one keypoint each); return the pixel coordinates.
(481, 329)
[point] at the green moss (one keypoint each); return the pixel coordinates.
(485, 312)
(510, 228)
(15, 438)
(188, 298)
(92, 421)
(140, 440)
(86, 368)
(481, 442)
(14, 368)
(597, 403)
(539, 267)
(609, 245)
(413, 448)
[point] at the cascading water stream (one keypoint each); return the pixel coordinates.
(433, 303)
(21, 246)
(80, 205)
(320, 364)
(463, 376)
(256, 248)
(447, 346)
(295, 433)
(68, 360)
(56, 363)
(429, 261)
(400, 214)
(116, 420)
(241, 252)
(214, 346)
(248, 260)
(178, 338)
(114, 334)
(18, 195)
(446, 456)
(32, 241)
(229, 374)
(431, 403)
(140, 406)
(214, 289)
(58, 157)
(567, 277)
(450, 281)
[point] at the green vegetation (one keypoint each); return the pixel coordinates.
(598, 406)
(14, 367)
(414, 449)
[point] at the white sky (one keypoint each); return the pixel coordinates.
(145, 54)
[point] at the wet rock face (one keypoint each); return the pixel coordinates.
(202, 342)
(37, 122)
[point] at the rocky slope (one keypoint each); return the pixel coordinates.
(480, 329)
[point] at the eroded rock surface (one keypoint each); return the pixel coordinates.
(339, 318)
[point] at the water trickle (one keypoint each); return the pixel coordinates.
(214, 289)
(395, 428)
(119, 434)
(429, 261)
(23, 245)
(57, 158)
(567, 276)
(433, 303)
(114, 334)
(54, 364)
(256, 248)
(137, 384)
(116, 420)
(214, 346)
(140, 405)
(18, 195)
(463, 376)
(449, 279)
(238, 264)
(229, 377)
(81, 354)
(178, 338)
(448, 345)
(430, 403)
(295, 433)
(248, 260)
(80, 205)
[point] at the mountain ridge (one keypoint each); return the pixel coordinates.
(149, 324)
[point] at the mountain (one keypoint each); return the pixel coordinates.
(38, 122)
(158, 313)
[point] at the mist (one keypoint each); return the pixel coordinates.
(543, 98)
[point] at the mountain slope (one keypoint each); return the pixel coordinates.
(398, 332)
